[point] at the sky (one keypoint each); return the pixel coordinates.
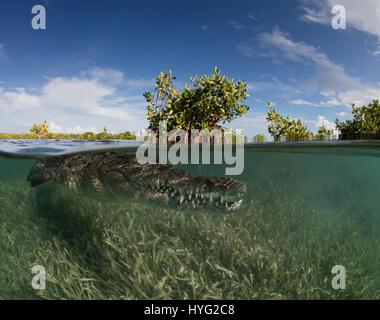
(91, 65)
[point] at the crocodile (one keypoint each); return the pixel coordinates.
(117, 175)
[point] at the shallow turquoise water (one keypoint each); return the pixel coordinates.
(320, 191)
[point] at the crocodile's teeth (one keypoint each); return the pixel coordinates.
(181, 198)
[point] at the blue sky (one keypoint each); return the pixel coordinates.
(96, 58)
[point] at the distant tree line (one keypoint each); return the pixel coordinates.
(365, 125)
(290, 130)
(41, 131)
(280, 127)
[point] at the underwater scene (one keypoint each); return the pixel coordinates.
(297, 212)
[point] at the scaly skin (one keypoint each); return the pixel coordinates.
(118, 175)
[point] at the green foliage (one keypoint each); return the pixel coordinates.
(102, 136)
(259, 138)
(211, 100)
(126, 136)
(365, 123)
(89, 135)
(324, 134)
(280, 127)
(40, 129)
(72, 136)
(324, 131)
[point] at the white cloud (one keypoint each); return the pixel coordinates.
(343, 114)
(107, 75)
(74, 93)
(359, 96)
(319, 122)
(90, 101)
(113, 113)
(245, 50)
(297, 51)
(316, 11)
(255, 120)
(140, 83)
(304, 102)
(328, 93)
(322, 121)
(360, 15)
(115, 77)
(77, 129)
(272, 83)
(2, 52)
(331, 102)
(330, 79)
(236, 25)
(17, 99)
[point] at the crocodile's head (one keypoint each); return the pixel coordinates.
(168, 183)
(117, 175)
(192, 191)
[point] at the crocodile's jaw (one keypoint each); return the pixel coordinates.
(190, 198)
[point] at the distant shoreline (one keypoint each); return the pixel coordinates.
(69, 136)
